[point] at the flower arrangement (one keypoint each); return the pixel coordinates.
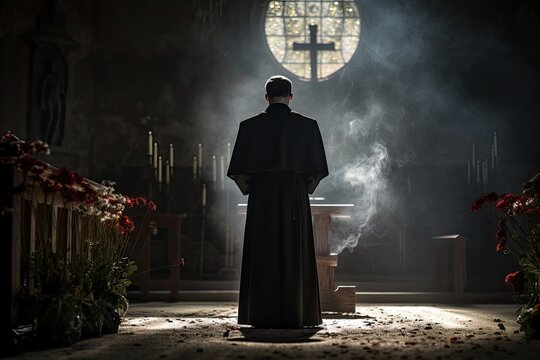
(518, 234)
(66, 296)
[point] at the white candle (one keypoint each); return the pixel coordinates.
(171, 157)
(473, 156)
(167, 172)
(204, 195)
(477, 171)
(194, 167)
(150, 143)
(214, 172)
(222, 168)
(468, 171)
(155, 155)
(199, 157)
(228, 153)
(160, 169)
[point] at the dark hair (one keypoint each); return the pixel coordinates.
(278, 85)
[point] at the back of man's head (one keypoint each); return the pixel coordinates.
(278, 86)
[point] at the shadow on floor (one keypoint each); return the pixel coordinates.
(338, 315)
(277, 335)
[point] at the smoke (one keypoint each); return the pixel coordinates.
(366, 178)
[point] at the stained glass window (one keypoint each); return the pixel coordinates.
(288, 22)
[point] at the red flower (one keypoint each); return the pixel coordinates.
(66, 176)
(516, 280)
(139, 201)
(40, 147)
(28, 163)
(501, 238)
(9, 138)
(492, 196)
(125, 225)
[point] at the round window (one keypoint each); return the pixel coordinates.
(312, 39)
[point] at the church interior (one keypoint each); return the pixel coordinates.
(123, 235)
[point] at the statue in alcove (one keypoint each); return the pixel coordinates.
(53, 96)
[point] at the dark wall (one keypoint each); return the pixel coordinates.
(429, 79)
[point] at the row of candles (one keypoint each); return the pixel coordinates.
(156, 160)
(224, 160)
(481, 169)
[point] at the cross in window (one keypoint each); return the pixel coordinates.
(313, 47)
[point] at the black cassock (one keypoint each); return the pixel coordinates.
(278, 159)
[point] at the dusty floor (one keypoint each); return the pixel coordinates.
(209, 331)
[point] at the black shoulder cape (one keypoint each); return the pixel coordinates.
(278, 139)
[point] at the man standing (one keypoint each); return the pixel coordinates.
(278, 158)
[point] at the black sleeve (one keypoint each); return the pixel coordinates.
(319, 161)
(237, 170)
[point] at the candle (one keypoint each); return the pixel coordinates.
(171, 157)
(468, 171)
(214, 173)
(486, 171)
(160, 169)
(473, 156)
(167, 172)
(228, 153)
(194, 167)
(155, 153)
(222, 169)
(477, 171)
(150, 145)
(204, 195)
(199, 157)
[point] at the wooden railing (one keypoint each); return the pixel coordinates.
(29, 219)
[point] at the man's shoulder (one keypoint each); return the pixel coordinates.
(251, 119)
(295, 115)
(302, 117)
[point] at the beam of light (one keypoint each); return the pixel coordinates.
(443, 317)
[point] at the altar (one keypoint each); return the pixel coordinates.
(341, 298)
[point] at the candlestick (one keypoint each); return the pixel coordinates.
(199, 157)
(477, 171)
(473, 156)
(150, 146)
(171, 157)
(160, 169)
(214, 172)
(204, 195)
(194, 167)
(167, 172)
(468, 171)
(155, 153)
(222, 171)
(228, 153)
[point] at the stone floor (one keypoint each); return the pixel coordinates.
(209, 331)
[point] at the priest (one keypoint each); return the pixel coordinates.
(278, 159)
